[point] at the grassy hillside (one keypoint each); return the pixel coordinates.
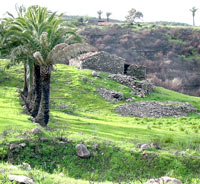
(82, 116)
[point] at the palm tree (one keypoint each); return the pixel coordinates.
(38, 38)
(108, 14)
(99, 13)
(193, 10)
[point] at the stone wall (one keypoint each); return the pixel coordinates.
(100, 61)
(137, 71)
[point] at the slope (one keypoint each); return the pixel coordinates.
(79, 114)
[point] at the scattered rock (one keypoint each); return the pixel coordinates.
(130, 99)
(96, 74)
(156, 146)
(36, 131)
(156, 109)
(148, 146)
(82, 151)
(14, 146)
(61, 174)
(111, 95)
(182, 153)
(20, 179)
(26, 166)
(164, 180)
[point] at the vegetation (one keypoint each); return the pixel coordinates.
(38, 39)
(193, 10)
(75, 115)
(108, 14)
(133, 15)
(99, 14)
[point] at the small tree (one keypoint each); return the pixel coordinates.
(99, 13)
(108, 14)
(133, 14)
(193, 10)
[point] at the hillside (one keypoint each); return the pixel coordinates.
(171, 54)
(80, 115)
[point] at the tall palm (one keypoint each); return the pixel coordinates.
(193, 10)
(99, 13)
(35, 37)
(108, 14)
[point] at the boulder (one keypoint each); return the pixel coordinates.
(82, 151)
(20, 179)
(164, 180)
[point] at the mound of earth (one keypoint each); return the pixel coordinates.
(156, 109)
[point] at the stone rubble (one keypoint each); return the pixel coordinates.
(140, 88)
(156, 109)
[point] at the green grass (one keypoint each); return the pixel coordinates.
(88, 118)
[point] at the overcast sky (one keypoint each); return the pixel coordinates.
(153, 10)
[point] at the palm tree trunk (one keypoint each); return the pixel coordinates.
(193, 21)
(43, 114)
(25, 90)
(35, 104)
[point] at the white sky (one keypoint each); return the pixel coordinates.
(153, 10)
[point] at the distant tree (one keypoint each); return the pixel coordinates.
(99, 13)
(193, 10)
(108, 14)
(133, 14)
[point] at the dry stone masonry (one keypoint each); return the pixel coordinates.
(105, 62)
(99, 61)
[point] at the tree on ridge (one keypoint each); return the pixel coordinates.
(193, 10)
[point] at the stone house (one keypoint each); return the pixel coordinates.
(100, 61)
(105, 62)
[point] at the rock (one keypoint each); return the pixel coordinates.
(82, 151)
(20, 179)
(14, 146)
(130, 99)
(36, 131)
(164, 180)
(96, 74)
(132, 151)
(145, 147)
(156, 109)
(111, 95)
(156, 146)
(61, 174)
(26, 166)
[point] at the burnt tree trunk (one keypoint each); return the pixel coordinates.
(43, 114)
(35, 103)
